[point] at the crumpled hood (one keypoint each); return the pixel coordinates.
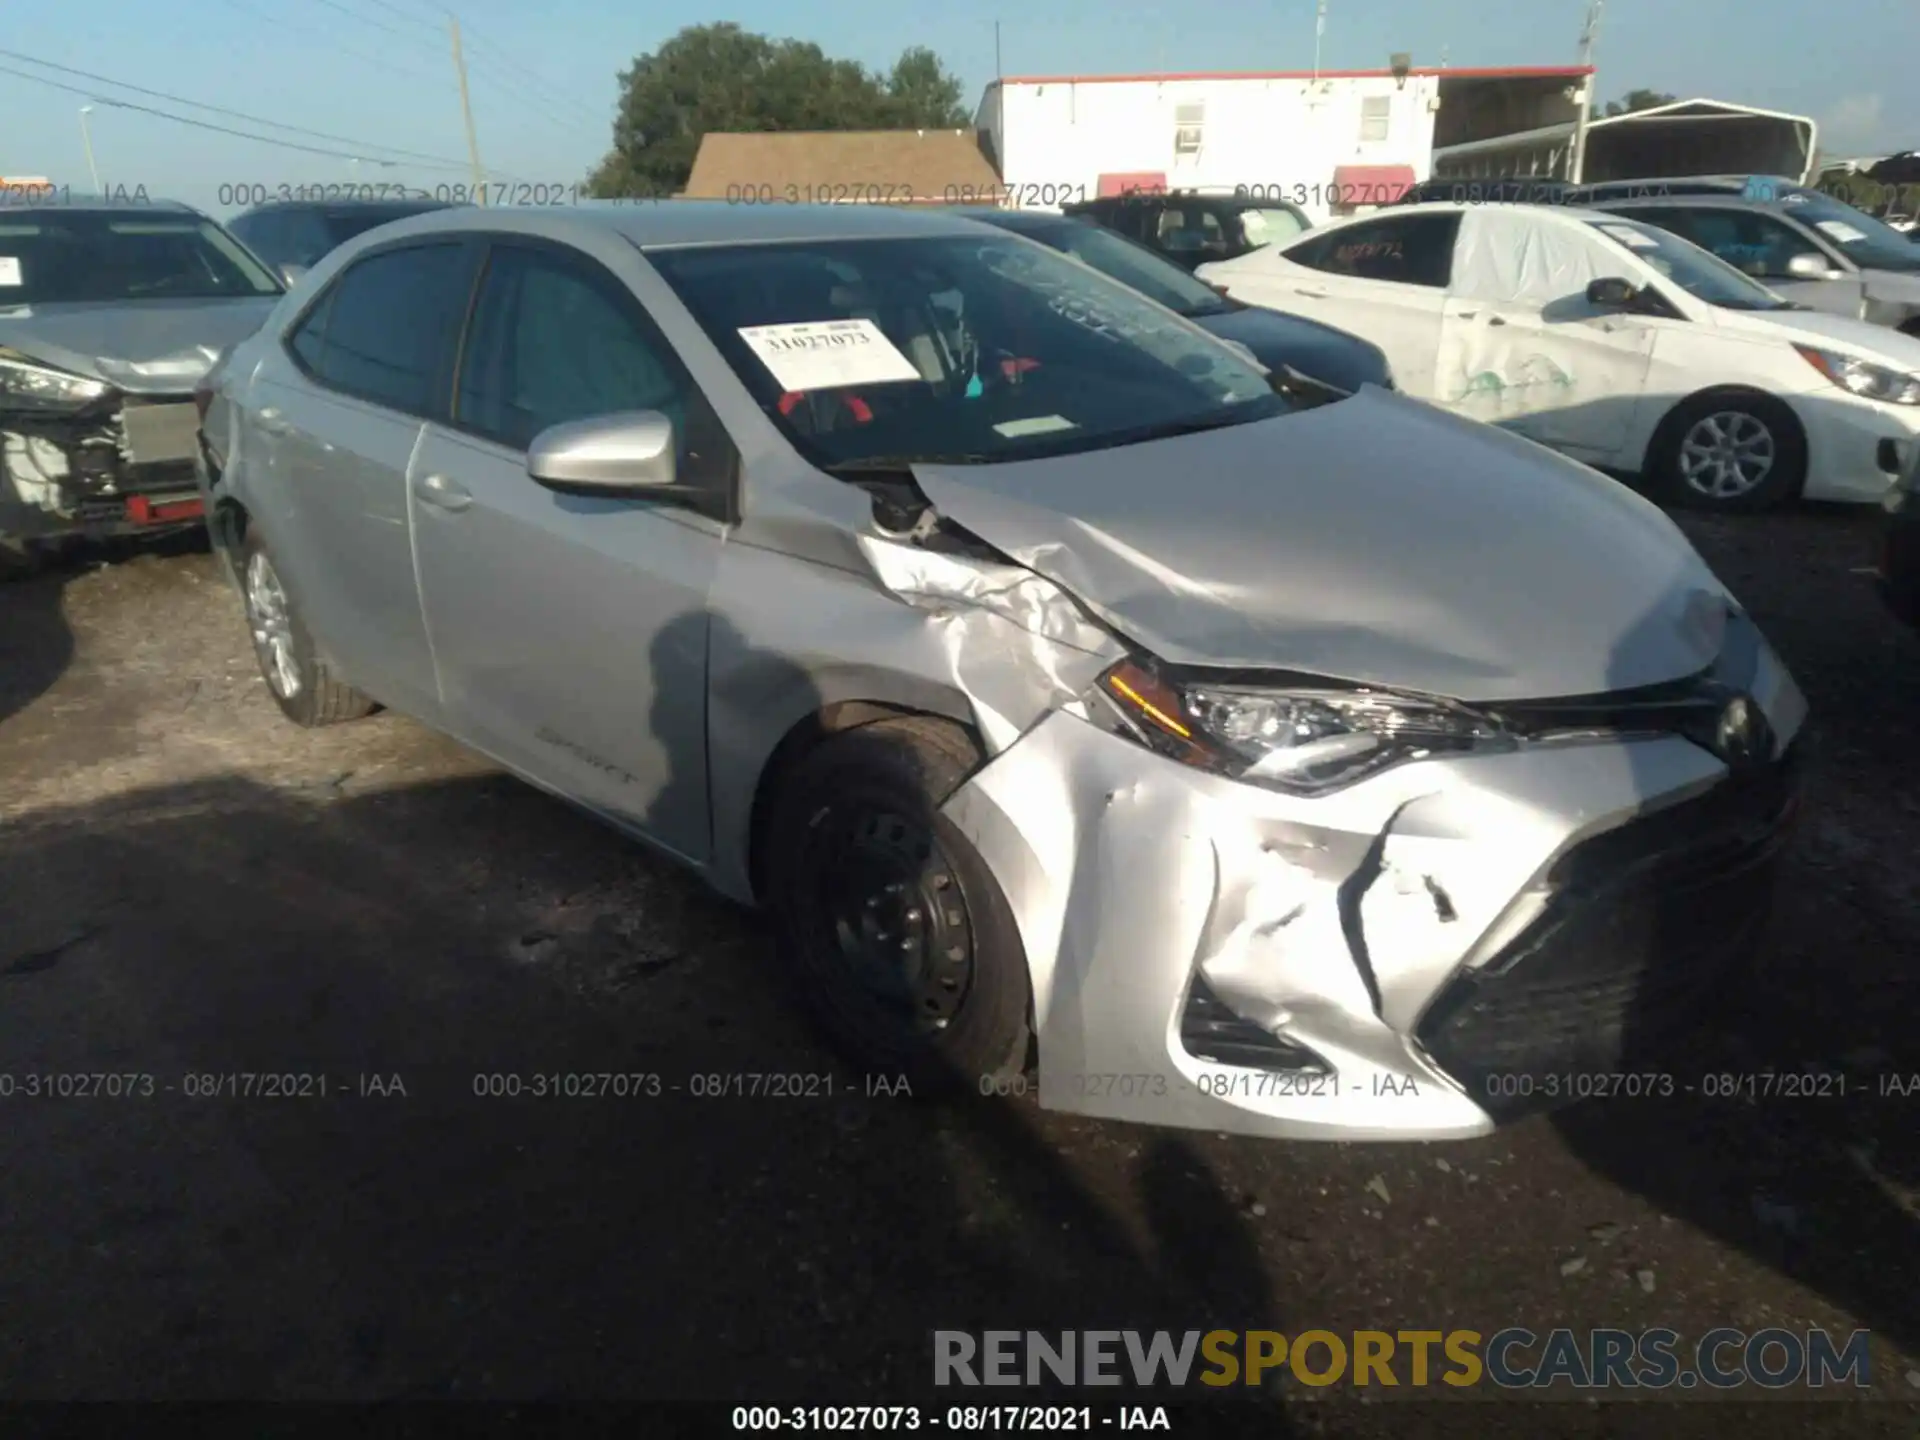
(142, 346)
(1376, 540)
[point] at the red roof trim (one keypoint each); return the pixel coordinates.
(1497, 72)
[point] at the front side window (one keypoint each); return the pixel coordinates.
(1754, 244)
(1404, 250)
(1271, 226)
(1869, 243)
(52, 257)
(955, 348)
(1705, 277)
(555, 339)
(384, 328)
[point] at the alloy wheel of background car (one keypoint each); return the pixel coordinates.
(904, 946)
(301, 683)
(1730, 453)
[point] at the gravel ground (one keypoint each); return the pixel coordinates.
(190, 886)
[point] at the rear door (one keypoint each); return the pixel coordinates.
(341, 407)
(570, 633)
(1385, 279)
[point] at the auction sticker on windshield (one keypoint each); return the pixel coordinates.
(10, 270)
(828, 354)
(1839, 230)
(1631, 238)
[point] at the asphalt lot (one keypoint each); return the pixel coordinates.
(189, 886)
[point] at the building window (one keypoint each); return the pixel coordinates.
(1376, 117)
(1188, 121)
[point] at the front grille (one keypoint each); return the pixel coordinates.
(1644, 923)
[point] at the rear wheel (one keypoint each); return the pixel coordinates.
(901, 941)
(302, 684)
(1729, 453)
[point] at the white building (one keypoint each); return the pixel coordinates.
(1331, 141)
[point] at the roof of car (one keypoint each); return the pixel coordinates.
(353, 202)
(96, 205)
(653, 224)
(1016, 219)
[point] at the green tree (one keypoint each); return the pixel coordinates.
(720, 77)
(1633, 100)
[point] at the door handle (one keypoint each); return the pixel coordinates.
(1310, 294)
(440, 491)
(1495, 320)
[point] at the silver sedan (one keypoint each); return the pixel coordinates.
(1069, 688)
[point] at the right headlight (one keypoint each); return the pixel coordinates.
(35, 387)
(1304, 740)
(1862, 378)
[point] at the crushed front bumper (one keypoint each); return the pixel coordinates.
(1414, 957)
(124, 466)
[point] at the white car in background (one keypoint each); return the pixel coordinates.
(1613, 342)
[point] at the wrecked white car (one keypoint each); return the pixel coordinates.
(110, 314)
(1063, 684)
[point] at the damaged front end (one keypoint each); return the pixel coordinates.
(1414, 919)
(82, 458)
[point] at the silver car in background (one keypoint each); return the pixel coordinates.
(110, 314)
(1059, 685)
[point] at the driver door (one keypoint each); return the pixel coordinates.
(570, 634)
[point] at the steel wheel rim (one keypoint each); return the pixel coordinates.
(272, 626)
(887, 914)
(1727, 454)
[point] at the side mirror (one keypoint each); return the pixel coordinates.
(1808, 266)
(1610, 292)
(630, 455)
(290, 274)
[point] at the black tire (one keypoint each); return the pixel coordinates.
(307, 692)
(858, 816)
(19, 559)
(1737, 415)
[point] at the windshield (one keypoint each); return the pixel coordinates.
(1703, 276)
(1869, 243)
(50, 259)
(956, 349)
(1270, 227)
(1159, 280)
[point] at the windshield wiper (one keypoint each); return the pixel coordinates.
(862, 463)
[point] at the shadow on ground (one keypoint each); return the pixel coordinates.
(443, 1242)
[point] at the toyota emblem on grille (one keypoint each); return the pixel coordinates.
(1742, 736)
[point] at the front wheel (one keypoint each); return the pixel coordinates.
(302, 684)
(1729, 453)
(897, 933)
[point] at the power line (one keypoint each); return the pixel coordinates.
(281, 22)
(203, 124)
(537, 103)
(369, 146)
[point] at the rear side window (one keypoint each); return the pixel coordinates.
(555, 339)
(1405, 250)
(385, 326)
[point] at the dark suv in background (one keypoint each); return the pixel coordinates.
(1192, 227)
(292, 235)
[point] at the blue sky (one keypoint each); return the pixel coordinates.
(543, 72)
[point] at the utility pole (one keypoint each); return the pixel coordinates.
(86, 140)
(1319, 33)
(1588, 38)
(998, 73)
(466, 111)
